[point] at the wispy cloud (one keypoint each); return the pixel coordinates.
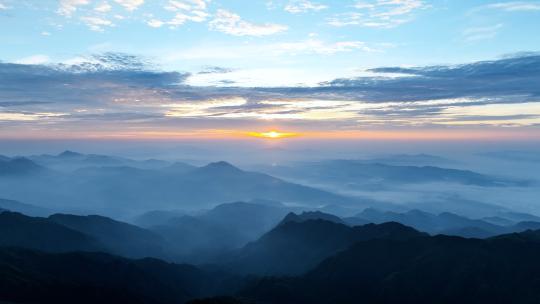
(515, 6)
(232, 24)
(379, 13)
(303, 6)
(481, 33)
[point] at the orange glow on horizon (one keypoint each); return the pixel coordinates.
(223, 134)
(272, 134)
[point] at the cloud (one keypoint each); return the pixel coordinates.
(185, 10)
(232, 24)
(215, 70)
(379, 13)
(35, 59)
(68, 7)
(108, 89)
(155, 23)
(516, 6)
(481, 33)
(3, 6)
(303, 6)
(130, 5)
(96, 23)
(103, 7)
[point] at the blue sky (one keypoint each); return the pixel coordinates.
(253, 45)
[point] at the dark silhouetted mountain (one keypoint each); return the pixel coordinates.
(4, 158)
(19, 167)
(18, 230)
(424, 270)
(311, 215)
(35, 277)
(119, 238)
(357, 174)
(23, 208)
(295, 247)
(221, 300)
(225, 227)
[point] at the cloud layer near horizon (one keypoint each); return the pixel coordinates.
(115, 92)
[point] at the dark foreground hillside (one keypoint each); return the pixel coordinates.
(437, 269)
(35, 277)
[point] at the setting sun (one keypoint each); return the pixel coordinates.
(272, 134)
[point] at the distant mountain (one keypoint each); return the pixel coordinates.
(311, 215)
(422, 270)
(358, 173)
(445, 223)
(70, 160)
(19, 167)
(118, 238)
(17, 230)
(223, 228)
(295, 247)
(23, 208)
(410, 160)
(115, 190)
(35, 277)
(157, 217)
(4, 158)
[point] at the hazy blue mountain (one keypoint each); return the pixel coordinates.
(358, 173)
(4, 158)
(18, 230)
(115, 190)
(36, 277)
(223, 228)
(423, 270)
(311, 215)
(521, 156)
(295, 247)
(23, 208)
(69, 160)
(20, 166)
(119, 238)
(446, 223)
(157, 217)
(421, 159)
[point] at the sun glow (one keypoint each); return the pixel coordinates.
(272, 134)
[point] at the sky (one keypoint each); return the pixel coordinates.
(175, 69)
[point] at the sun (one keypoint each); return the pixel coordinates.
(273, 134)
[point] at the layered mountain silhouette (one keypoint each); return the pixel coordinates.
(449, 223)
(117, 237)
(27, 209)
(18, 230)
(223, 228)
(295, 247)
(358, 173)
(36, 277)
(438, 269)
(19, 166)
(112, 190)
(70, 160)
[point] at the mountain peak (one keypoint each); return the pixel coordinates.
(69, 153)
(221, 166)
